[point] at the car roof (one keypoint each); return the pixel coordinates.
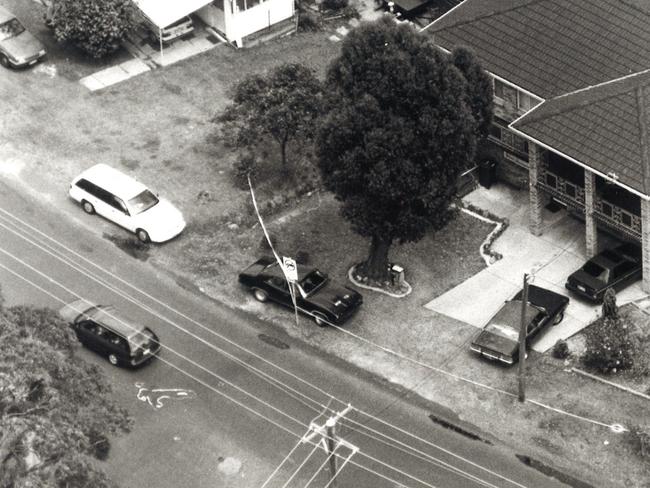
(273, 269)
(607, 259)
(5, 15)
(108, 316)
(510, 314)
(113, 180)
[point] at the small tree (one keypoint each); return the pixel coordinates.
(610, 309)
(97, 27)
(55, 410)
(402, 123)
(609, 342)
(283, 105)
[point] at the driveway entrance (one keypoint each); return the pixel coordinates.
(554, 255)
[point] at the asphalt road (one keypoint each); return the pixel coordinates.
(240, 415)
(237, 394)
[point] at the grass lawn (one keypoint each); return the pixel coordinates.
(156, 127)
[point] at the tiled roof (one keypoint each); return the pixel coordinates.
(551, 47)
(604, 127)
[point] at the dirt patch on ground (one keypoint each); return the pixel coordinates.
(157, 127)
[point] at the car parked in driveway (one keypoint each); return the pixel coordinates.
(316, 294)
(18, 48)
(613, 268)
(126, 202)
(102, 329)
(499, 339)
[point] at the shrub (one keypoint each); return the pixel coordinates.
(95, 26)
(561, 350)
(308, 22)
(244, 166)
(610, 309)
(334, 4)
(100, 445)
(302, 257)
(350, 12)
(609, 346)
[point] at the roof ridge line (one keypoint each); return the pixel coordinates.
(603, 83)
(533, 117)
(485, 16)
(643, 136)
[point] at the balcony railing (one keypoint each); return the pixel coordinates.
(573, 196)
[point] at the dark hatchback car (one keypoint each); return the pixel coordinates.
(613, 268)
(499, 339)
(101, 329)
(316, 295)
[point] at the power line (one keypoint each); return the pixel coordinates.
(276, 382)
(403, 473)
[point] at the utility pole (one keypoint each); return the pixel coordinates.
(331, 426)
(522, 342)
(331, 442)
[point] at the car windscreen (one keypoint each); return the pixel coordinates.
(144, 201)
(313, 281)
(141, 339)
(595, 270)
(10, 28)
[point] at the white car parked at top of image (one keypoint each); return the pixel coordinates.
(126, 202)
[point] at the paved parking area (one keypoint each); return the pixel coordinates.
(554, 255)
(147, 55)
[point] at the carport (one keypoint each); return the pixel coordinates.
(163, 13)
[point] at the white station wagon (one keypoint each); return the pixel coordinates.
(126, 202)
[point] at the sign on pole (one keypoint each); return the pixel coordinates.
(290, 268)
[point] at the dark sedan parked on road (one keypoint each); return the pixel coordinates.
(316, 295)
(499, 339)
(18, 48)
(613, 268)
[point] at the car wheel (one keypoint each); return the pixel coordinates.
(142, 235)
(4, 60)
(88, 207)
(558, 318)
(112, 358)
(260, 295)
(320, 320)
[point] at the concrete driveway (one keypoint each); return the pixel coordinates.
(554, 255)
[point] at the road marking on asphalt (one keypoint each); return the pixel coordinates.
(157, 397)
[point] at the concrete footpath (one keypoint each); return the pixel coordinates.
(551, 257)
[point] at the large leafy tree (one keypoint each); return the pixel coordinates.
(95, 26)
(402, 122)
(55, 410)
(282, 105)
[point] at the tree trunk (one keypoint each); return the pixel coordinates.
(376, 266)
(283, 151)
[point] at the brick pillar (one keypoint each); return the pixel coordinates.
(645, 243)
(535, 222)
(591, 230)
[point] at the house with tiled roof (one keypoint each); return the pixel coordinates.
(572, 104)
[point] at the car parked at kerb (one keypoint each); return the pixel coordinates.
(102, 329)
(316, 295)
(499, 339)
(126, 202)
(18, 48)
(612, 268)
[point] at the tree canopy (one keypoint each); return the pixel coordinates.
(55, 410)
(97, 27)
(402, 123)
(282, 104)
